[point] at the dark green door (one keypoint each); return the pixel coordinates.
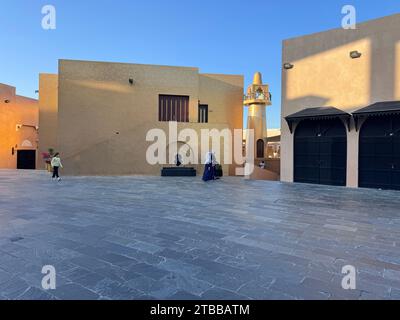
(320, 152)
(379, 155)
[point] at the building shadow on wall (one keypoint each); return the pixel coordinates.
(305, 102)
(383, 37)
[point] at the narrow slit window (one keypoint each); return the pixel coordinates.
(203, 113)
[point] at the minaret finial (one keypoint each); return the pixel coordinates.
(257, 78)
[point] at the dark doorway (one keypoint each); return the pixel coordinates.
(26, 159)
(260, 148)
(379, 158)
(320, 152)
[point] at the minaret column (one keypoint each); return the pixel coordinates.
(257, 99)
(256, 120)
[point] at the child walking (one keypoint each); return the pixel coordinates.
(56, 164)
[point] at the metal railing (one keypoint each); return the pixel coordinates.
(258, 96)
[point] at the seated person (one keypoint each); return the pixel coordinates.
(209, 169)
(178, 160)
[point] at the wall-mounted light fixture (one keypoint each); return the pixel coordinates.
(355, 54)
(131, 81)
(6, 101)
(288, 66)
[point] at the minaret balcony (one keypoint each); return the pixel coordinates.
(257, 98)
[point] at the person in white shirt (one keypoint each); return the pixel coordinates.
(56, 164)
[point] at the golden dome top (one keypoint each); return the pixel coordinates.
(257, 78)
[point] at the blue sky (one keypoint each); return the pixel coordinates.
(218, 36)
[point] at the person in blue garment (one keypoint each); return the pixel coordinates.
(209, 170)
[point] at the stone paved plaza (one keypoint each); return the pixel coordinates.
(180, 238)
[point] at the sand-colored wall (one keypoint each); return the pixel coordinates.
(325, 75)
(19, 111)
(7, 126)
(224, 96)
(103, 119)
(48, 115)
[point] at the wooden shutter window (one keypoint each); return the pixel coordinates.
(173, 108)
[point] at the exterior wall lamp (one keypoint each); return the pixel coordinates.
(20, 126)
(288, 66)
(6, 101)
(131, 81)
(355, 54)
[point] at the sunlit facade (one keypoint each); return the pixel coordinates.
(98, 114)
(336, 84)
(18, 130)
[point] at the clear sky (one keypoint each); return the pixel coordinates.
(218, 36)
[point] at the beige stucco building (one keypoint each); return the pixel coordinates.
(18, 129)
(97, 114)
(347, 70)
(48, 115)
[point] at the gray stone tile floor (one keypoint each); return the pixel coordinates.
(179, 238)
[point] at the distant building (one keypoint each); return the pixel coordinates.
(273, 150)
(272, 142)
(97, 114)
(341, 106)
(18, 130)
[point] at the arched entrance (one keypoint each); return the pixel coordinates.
(379, 156)
(320, 152)
(260, 148)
